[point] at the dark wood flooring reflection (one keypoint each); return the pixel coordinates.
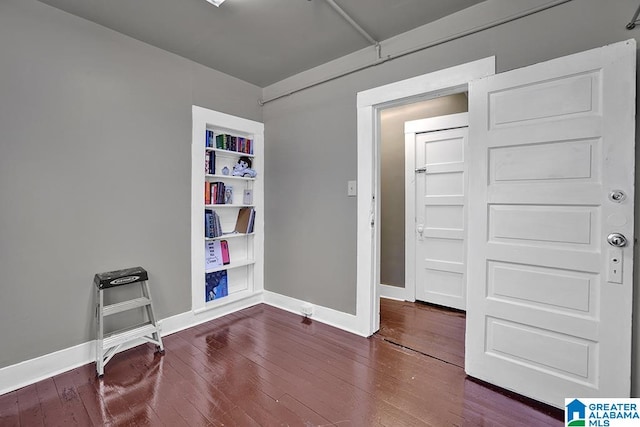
(430, 330)
(263, 366)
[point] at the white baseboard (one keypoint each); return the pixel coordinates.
(393, 292)
(31, 371)
(338, 319)
(189, 319)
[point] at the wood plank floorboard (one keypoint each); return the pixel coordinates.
(427, 329)
(29, 404)
(266, 367)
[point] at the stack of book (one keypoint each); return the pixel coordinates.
(234, 143)
(210, 162)
(217, 193)
(212, 227)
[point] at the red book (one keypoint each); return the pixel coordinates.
(207, 193)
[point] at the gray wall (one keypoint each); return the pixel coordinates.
(392, 177)
(95, 160)
(311, 137)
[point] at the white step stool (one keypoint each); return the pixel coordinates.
(108, 346)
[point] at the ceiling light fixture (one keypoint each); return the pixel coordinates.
(216, 3)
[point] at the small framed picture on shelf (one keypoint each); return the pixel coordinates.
(228, 195)
(247, 197)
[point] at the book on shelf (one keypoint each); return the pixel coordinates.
(208, 223)
(211, 162)
(207, 138)
(233, 143)
(224, 246)
(245, 220)
(212, 226)
(247, 196)
(221, 142)
(242, 222)
(220, 196)
(213, 254)
(215, 193)
(207, 193)
(217, 224)
(252, 220)
(216, 285)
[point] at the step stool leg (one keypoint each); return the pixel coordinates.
(152, 317)
(99, 332)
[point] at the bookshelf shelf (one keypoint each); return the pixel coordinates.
(229, 236)
(220, 176)
(228, 205)
(236, 264)
(228, 153)
(241, 279)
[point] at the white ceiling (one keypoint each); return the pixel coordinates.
(259, 41)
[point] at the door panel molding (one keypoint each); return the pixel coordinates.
(435, 200)
(550, 141)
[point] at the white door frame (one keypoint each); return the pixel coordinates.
(369, 103)
(411, 129)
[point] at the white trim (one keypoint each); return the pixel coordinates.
(369, 102)
(449, 121)
(392, 292)
(31, 371)
(37, 369)
(201, 118)
(189, 319)
(409, 215)
(471, 20)
(331, 317)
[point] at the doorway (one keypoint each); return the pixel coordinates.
(409, 324)
(393, 282)
(529, 240)
(369, 103)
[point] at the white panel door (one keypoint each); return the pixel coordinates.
(549, 299)
(439, 226)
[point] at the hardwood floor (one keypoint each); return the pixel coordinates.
(263, 366)
(427, 329)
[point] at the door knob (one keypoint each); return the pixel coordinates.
(617, 196)
(617, 240)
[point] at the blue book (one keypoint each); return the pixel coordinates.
(216, 285)
(209, 225)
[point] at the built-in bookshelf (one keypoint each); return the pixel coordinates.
(227, 209)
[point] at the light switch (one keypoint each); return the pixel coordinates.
(351, 188)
